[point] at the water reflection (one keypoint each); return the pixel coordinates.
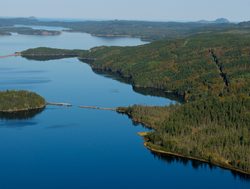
(57, 155)
(16, 123)
(158, 93)
(141, 90)
(170, 159)
(22, 115)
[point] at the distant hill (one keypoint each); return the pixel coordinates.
(245, 24)
(222, 20)
(146, 30)
(217, 21)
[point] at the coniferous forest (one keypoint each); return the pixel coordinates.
(208, 72)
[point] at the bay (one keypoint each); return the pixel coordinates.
(78, 148)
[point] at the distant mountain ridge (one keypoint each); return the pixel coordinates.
(217, 21)
(245, 24)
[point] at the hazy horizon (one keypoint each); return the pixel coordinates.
(148, 10)
(93, 19)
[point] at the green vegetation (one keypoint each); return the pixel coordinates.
(16, 101)
(43, 53)
(27, 31)
(185, 66)
(210, 72)
(192, 67)
(216, 130)
(147, 31)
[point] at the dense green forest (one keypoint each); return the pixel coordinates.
(192, 67)
(213, 129)
(44, 53)
(185, 66)
(209, 71)
(13, 101)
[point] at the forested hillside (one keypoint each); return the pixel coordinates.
(211, 72)
(216, 130)
(193, 67)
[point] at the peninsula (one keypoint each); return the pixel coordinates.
(209, 72)
(27, 31)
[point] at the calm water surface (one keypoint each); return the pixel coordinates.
(78, 148)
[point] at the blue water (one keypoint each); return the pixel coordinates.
(79, 148)
(67, 40)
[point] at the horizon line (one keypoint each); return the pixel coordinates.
(113, 19)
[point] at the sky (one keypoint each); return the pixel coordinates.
(161, 10)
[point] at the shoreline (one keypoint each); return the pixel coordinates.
(23, 110)
(167, 153)
(128, 78)
(172, 95)
(108, 72)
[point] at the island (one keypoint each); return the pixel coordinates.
(208, 72)
(27, 31)
(12, 101)
(44, 53)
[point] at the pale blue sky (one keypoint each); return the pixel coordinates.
(179, 10)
